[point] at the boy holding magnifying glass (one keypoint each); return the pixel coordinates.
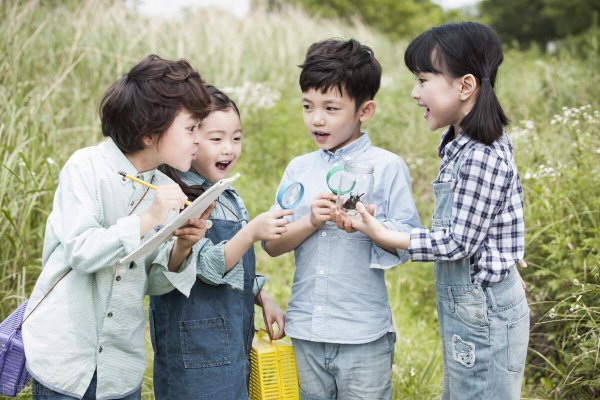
(339, 317)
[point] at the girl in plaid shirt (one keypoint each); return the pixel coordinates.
(477, 234)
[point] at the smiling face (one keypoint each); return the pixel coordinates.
(220, 145)
(441, 97)
(331, 118)
(178, 146)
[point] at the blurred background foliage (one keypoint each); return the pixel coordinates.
(60, 56)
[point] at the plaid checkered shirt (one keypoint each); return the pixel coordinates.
(487, 220)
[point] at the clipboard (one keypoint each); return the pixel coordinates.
(194, 210)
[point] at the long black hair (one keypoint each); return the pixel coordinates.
(219, 101)
(458, 49)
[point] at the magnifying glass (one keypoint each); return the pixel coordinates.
(289, 195)
(333, 181)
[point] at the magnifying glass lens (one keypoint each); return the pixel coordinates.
(289, 196)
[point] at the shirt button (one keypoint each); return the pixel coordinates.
(318, 308)
(479, 314)
(118, 278)
(323, 234)
(321, 272)
(475, 292)
(132, 203)
(100, 349)
(109, 315)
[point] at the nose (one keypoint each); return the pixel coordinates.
(317, 118)
(227, 147)
(414, 93)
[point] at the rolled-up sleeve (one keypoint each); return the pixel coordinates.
(161, 280)
(210, 267)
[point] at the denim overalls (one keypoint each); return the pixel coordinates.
(202, 343)
(484, 330)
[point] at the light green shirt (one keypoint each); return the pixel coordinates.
(211, 260)
(94, 318)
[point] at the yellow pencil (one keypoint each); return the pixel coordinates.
(141, 182)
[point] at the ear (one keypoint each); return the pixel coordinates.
(367, 110)
(149, 140)
(468, 86)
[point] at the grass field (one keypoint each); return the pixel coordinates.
(57, 60)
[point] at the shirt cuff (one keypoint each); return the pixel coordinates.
(210, 267)
(129, 232)
(258, 284)
(420, 248)
(183, 279)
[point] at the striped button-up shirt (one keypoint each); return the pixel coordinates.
(94, 319)
(211, 258)
(487, 219)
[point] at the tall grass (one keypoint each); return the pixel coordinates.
(59, 58)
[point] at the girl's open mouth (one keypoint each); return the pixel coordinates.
(222, 165)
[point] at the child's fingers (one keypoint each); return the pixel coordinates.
(207, 212)
(283, 213)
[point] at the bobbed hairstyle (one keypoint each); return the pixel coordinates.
(458, 49)
(146, 100)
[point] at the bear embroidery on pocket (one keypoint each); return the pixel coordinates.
(463, 352)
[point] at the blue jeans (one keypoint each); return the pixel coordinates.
(41, 392)
(345, 371)
(485, 334)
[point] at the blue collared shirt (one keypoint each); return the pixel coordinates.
(339, 293)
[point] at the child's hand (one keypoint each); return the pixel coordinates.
(270, 225)
(365, 222)
(167, 198)
(320, 209)
(343, 221)
(188, 235)
(272, 314)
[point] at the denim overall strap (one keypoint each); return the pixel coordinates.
(450, 272)
(202, 343)
(484, 330)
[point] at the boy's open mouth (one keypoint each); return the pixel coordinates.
(320, 136)
(222, 165)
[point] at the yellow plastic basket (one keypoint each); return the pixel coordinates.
(273, 373)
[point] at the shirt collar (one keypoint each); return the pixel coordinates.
(349, 151)
(120, 162)
(450, 145)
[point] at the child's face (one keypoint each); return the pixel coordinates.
(220, 145)
(330, 118)
(179, 144)
(440, 96)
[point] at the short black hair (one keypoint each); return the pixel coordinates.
(146, 100)
(458, 49)
(336, 63)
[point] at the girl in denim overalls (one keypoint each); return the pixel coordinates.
(202, 343)
(477, 234)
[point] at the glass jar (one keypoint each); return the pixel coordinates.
(355, 184)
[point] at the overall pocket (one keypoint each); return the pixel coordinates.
(518, 340)
(204, 343)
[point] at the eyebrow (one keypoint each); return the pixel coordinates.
(222, 131)
(330, 100)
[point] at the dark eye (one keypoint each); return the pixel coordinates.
(238, 139)
(332, 109)
(215, 139)
(306, 107)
